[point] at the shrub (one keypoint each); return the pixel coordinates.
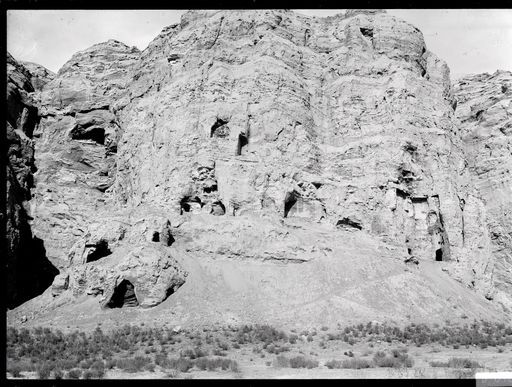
(281, 361)
(43, 372)
(456, 362)
(234, 367)
(136, 364)
(219, 352)
(15, 371)
(181, 364)
(295, 362)
(172, 374)
(333, 364)
(58, 374)
(355, 363)
(401, 359)
(202, 363)
(75, 373)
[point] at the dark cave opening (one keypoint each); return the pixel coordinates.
(95, 134)
(242, 145)
(289, 201)
(211, 189)
(219, 129)
(169, 292)
(124, 296)
(218, 208)
(439, 254)
(401, 194)
(101, 250)
(346, 222)
(187, 201)
(156, 237)
(368, 32)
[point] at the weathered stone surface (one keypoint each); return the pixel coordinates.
(149, 268)
(60, 284)
(255, 145)
(277, 111)
(77, 144)
(484, 108)
(39, 75)
(28, 270)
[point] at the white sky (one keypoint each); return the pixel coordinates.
(470, 41)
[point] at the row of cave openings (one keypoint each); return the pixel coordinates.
(220, 129)
(194, 204)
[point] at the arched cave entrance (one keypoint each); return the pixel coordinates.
(289, 202)
(124, 296)
(101, 250)
(94, 133)
(190, 204)
(439, 254)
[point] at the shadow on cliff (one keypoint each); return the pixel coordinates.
(29, 272)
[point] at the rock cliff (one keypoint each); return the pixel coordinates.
(27, 269)
(278, 167)
(484, 109)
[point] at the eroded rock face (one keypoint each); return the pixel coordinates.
(484, 108)
(347, 117)
(39, 75)
(142, 275)
(28, 270)
(264, 136)
(77, 144)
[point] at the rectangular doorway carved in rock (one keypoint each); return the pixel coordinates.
(242, 145)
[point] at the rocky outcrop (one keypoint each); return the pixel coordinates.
(264, 137)
(28, 271)
(77, 144)
(274, 113)
(484, 108)
(145, 275)
(39, 75)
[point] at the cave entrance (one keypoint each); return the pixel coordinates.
(156, 237)
(218, 208)
(439, 254)
(243, 143)
(124, 296)
(348, 223)
(219, 129)
(101, 250)
(95, 133)
(289, 202)
(190, 204)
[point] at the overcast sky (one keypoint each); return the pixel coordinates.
(470, 41)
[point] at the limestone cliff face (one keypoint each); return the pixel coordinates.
(346, 120)
(27, 269)
(484, 109)
(267, 136)
(77, 144)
